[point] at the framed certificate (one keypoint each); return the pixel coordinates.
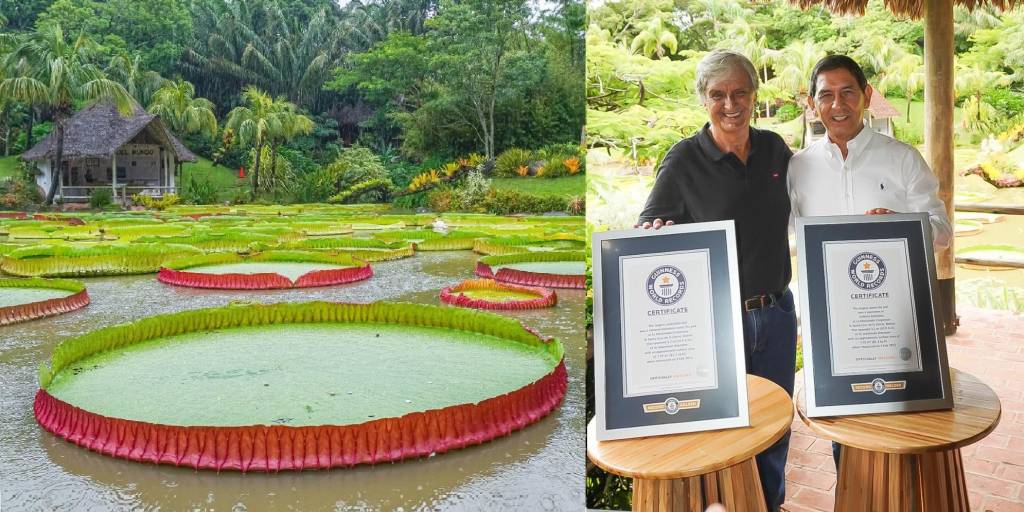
(872, 340)
(668, 337)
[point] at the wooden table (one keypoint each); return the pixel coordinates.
(909, 461)
(688, 472)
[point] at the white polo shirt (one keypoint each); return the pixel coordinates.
(878, 172)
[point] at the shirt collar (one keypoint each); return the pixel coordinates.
(853, 147)
(707, 143)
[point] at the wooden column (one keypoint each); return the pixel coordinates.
(113, 172)
(938, 132)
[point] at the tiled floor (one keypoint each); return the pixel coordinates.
(990, 345)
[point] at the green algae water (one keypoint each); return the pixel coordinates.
(565, 268)
(16, 296)
(291, 270)
(298, 374)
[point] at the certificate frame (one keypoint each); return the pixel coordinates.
(673, 410)
(915, 377)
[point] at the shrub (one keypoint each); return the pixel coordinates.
(156, 204)
(411, 201)
(470, 196)
(199, 191)
(563, 148)
(401, 173)
(314, 187)
(19, 191)
(572, 165)
(554, 168)
(1007, 102)
(507, 163)
(441, 199)
(788, 112)
(505, 202)
(101, 198)
(357, 165)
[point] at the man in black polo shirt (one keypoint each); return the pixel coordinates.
(730, 170)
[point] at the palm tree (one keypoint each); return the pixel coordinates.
(795, 62)
(176, 105)
(57, 73)
(971, 82)
(655, 40)
(128, 71)
(254, 123)
(876, 53)
(907, 75)
(293, 124)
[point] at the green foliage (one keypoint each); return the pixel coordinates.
(357, 165)
(199, 190)
(101, 198)
(314, 187)
(18, 191)
(360, 189)
(510, 160)
(152, 203)
(507, 202)
(788, 112)
(1008, 102)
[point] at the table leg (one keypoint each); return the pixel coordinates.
(885, 482)
(737, 487)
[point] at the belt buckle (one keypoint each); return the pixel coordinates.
(753, 303)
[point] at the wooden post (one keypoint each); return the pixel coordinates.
(113, 173)
(938, 132)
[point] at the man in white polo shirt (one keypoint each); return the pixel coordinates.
(854, 170)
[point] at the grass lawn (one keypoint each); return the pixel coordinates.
(223, 179)
(567, 186)
(8, 166)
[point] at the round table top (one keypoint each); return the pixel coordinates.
(975, 414)
(698, 453)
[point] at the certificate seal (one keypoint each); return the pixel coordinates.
(867, 271)
(878, 386)
(671, 406)
(905, 354)
(666, 285)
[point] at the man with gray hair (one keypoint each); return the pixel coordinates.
(730, 170)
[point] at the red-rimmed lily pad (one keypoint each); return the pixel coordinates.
(320, 385)
(555, 269)
(22, 300)
(489, 294)
(266, 270)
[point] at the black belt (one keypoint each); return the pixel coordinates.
(761, 301)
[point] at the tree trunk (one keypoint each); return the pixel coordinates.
(58, 123)
(273, 158)
(28, 133)
(256, 171)
(908, 107)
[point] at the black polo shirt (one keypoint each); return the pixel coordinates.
(697, 182)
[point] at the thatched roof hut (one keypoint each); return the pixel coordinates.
(99, 130)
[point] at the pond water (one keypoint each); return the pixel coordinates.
(538, 468)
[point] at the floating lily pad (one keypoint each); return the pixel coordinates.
(341, 384)
(488, 294)
(27, 299)
(272, 269)
(995, 255)
(557, 269)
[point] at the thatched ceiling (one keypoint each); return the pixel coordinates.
(911, 8)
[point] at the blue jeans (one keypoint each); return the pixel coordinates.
(770, 337)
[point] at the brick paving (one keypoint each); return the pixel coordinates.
(990, 345)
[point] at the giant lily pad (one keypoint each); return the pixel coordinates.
(267, 270)
(488, 294)
(27, 299)
(557, 269)
(320, 385)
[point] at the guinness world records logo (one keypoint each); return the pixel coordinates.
(867, 271)
(666, 285)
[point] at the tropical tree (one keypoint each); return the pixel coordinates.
(744, 38)
(177, 105)
(877, 52)
(254, 43)
(262, 121)
(907, 75)
(793, 65)
(56, 73)
(128, 71)
(655, 40)
(970, 83)
(368, 23)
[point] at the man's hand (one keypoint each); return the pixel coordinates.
(657, 224)
(878, 211)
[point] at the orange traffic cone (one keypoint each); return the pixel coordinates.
(241, 172)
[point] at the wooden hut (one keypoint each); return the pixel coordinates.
(129, 155)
